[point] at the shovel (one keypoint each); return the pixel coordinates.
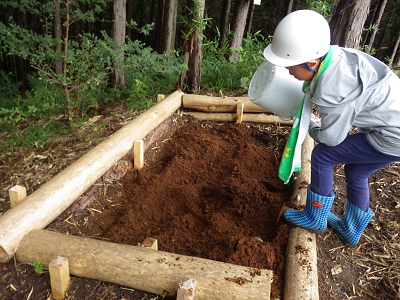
(283, 209)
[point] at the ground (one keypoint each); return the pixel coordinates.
(222, 178)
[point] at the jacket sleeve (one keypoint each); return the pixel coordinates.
(313, 130)
(336, 123)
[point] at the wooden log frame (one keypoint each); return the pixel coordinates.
(146, 269)
(44, 205)
(48, 202)
(231, 117)
(219, 104)
(301, 274)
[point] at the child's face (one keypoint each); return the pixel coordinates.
(300, 72)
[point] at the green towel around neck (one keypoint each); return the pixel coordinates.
(291, 158)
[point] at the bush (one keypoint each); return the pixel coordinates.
(220, 74)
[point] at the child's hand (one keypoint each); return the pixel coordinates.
(316, 121)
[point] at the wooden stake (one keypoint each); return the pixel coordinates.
(59, 277)
(138, 156)
(17, 194)
(160, 97)
(150, 243)
(239, 113)
(186, 289)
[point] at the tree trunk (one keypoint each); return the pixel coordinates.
(250, 21)
(348, 21)
(169, 26)
(290, 7)
(396, 46)
(20, 61)
(159, 25)
(224, 22)
(129, 18)
(119, 30)
(374, 7)
(193, 50)
(239, 24)
(378, 21)
(58, 35)
(64, 63)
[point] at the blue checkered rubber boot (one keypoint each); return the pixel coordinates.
(314, 216)
(350, 228)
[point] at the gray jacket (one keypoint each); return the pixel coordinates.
(358, 90)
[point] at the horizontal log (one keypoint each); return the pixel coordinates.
(219, 104)
(228, 117)
(145, 269)
(50, 200)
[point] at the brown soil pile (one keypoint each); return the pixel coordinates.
(210, 192)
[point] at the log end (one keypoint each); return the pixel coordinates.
(4, 255)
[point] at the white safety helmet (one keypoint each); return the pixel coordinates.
(301, 36)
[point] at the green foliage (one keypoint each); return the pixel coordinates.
(192, 23)
(373, 27)
(8, 89)
(372, 51)
(321, 6)
(148, 73)
(35, 119)
(35, 136)
(38, 267)
(218, 73)
(39, 103)
(85, 62)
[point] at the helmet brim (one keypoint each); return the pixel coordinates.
(279, 61)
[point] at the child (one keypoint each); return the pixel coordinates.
(350, 88)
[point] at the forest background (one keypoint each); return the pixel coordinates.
(62, 62)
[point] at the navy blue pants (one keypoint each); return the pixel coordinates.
(361, 160)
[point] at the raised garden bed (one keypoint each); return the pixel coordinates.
(245, 188)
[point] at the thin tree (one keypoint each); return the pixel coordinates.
(348, 21)
(20, 61)
(392, 57)
(119, 30)
(129, 18)
(239, 25)
(193, 47)
(250, 21)
(58, 35)
(169, 26)
(376, 26)
(290, 7)
(224, 22)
